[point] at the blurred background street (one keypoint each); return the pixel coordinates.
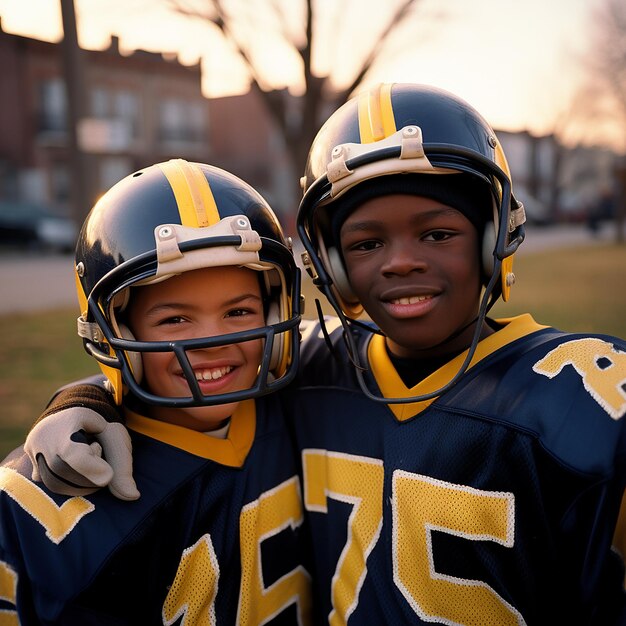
(41, 281)
(35, 282)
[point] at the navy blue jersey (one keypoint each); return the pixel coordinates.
(214, 538)
(494, 505)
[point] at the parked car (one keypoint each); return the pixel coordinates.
(29, 225)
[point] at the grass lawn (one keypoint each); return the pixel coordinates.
(579, 289)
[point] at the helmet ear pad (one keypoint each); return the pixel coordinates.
(134, 358)
(273, 317)
(341, 287)
(487, 250)
(339, 277)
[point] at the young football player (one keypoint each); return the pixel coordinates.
(457, 469)
(464, 470)
(189, 299)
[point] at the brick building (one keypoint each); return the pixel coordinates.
(138, 108)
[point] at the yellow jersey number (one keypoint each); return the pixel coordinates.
(420, 505)
(273, 511)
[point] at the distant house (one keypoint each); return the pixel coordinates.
(557, 183)
(140, 108)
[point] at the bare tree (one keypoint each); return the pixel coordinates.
(609, 55)
(74, 83)
(608, 80)
(298, 118)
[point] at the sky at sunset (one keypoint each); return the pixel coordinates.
(518, 62)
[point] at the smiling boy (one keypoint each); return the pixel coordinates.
(189, 299)
(457, 469)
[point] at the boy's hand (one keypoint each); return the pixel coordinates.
(74, 450)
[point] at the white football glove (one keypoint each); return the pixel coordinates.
(76, 451)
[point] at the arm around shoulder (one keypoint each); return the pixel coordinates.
(79, 444)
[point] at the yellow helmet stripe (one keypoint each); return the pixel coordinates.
(376, 119)
(193, 194)
(501, 161)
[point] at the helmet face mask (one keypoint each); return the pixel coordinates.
(168, 219)
(404, 129)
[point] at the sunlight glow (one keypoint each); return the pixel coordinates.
(519, 63)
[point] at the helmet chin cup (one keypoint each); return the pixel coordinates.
(134, 358)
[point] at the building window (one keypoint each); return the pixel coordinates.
(100, 102)
(112, 170)
(119, 105)
(126, 107)
(181, 121)
(60, 184)
(52, 106)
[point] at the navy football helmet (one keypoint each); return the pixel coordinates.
(170, 218)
